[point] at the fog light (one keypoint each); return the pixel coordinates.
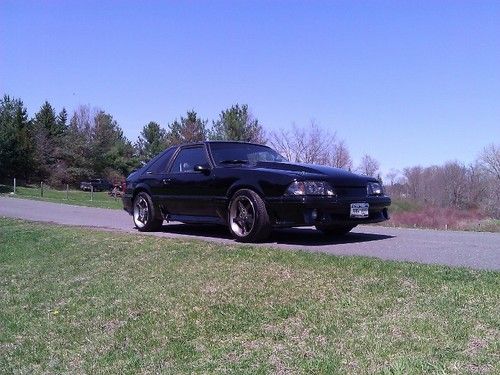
(314, 214)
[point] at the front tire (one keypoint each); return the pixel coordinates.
(144, 214)
(335, 230)
(248, 217)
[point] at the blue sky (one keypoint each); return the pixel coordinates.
(407, 82)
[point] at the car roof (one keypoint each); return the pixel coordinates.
(217, 142)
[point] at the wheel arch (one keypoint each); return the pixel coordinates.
(244, 186)
(139, 188)
(146, 189)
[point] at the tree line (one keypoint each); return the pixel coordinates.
(60, 148)
(454, 184)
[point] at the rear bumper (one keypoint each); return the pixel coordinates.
(305, 211)
(127, 203)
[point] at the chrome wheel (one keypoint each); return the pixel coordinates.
(242, 216)
(141, 212)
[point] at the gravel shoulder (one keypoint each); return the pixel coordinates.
(468, 249)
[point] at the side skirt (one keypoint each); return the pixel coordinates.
(195, 219)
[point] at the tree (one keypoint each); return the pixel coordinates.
(151, 141)
(237, 124)
(94, 146)
(490, 162)
(76, 150)
(16, 151)
(107, 144)
(368, 166)
(414, 181)
(311, 145)
(46, 133)
(341, 158)
(46, 118)
(454, 182)
(189, 129)
(490, 159)
(62, 119)
(392, 175)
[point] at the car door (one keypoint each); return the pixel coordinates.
(189, 192)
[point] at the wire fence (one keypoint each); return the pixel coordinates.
(67, 194)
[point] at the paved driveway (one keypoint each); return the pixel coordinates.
(470, 249)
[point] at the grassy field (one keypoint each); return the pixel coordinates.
(76, 197)
(82, 301)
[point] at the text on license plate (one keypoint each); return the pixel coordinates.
(359, 210)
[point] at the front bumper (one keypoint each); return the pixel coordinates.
(289, 211)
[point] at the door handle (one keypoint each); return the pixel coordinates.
(166, 181)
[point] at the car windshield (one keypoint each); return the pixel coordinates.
(243, 153)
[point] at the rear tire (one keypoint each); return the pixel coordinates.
(248, 218)
(144, 215)
(335, 230)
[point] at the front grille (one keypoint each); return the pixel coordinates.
(351, 191)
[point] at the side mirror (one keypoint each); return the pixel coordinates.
(202, 169)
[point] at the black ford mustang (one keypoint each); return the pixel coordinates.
(251, 189)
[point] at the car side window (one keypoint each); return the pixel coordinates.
(160, 165)
(187, 158)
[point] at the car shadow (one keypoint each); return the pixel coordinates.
(289, 236)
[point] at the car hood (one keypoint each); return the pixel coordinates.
(313, 171)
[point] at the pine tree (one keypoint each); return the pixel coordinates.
(62, 119)
(16, 151)
(152, 140)
(112, 154)
(189, 129)
(237, 124)
(46, 133)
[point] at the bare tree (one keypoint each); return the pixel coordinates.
(341, 157)
(490, 161)
(392, 175)
(477, 186)
(284, 143)
(454, 184)
(368, 166)
(414, 181)
(490, 158)
(311, 145)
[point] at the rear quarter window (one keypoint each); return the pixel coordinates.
(160, 165)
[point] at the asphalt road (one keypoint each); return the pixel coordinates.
(469, 249)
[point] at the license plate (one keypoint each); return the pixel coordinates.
(359, 210)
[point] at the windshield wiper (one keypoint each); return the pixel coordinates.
(234, 161)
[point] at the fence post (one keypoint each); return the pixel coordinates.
(14, 185)
(41, 189)
(91, 192)
(67, 192)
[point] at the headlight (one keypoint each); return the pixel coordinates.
(374, 188)
(310, 188)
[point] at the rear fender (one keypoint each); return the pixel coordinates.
(141, 187)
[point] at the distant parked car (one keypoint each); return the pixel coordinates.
(98, 184)
(251, 189)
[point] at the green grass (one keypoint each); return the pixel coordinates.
(76, 197)
(486, 225)
(403, 205)
(82, 301)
